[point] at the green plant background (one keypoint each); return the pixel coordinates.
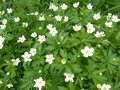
(23, 75)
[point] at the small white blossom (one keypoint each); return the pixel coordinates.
(39, 83)
(34, 34)
(99, 34)
(2, 12)
(1, 82)
(89, 25)
(96, 16)
(53, 31)
(77, 27)
(41, 38)
(2, 26)
(65, 18)
(27, 57)
(41, 18)
(1, 45)
(109, 16)
(64, 6)
(99, 86)
(8, 73)
(109, 24)
(4, 21)
(16, 19)
(53, 7)
(49, 26)
(89, 6)
(9, 10)
(1, 41)
(76, 4)
(36, 13)
(115, 18)
(49, 58)
(69, 77)
(15, 62)
(104, 86)
(21, 39)
(9, 85)
(90, 28)
(39, 71)
(33, 51)
(87, 51)
(58, 18)
(25, 24)
(100, 73)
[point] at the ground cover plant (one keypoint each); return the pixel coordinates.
(58, 45)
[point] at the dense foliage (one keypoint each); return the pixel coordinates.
(59, 45)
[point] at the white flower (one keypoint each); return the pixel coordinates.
(9, 10)
(99, 34)
(1, 45)
(27, 57)
(39, 71)
(9, 85)
(53, 31)
(25, 24)
(2, 26)
(89, 25)
(16, 19)
(2, 12)
(39, 83)
(99, 86)
(89, 6)
(87, 51)
(1, 39)
(1, 82)
(58, 18)
(8, 73)
(64, 6)
(96, 16)
(105, 87)
(21, 39)
(49, 26)
(36, 13)
(65, 18)
(34, 34)
(15, 62)
(69, 77)
(109, 16)
(33, 51)
(76, 4)
(49, 58)
(53, 7)
(115, 18)
(41, 38)
(77, 27)
(90, 28)
(108, 24)
(4, 21)
(41, 18)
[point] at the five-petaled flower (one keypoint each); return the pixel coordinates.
(49, 58)
(69, 77)
(87, 51)
(39, 83)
